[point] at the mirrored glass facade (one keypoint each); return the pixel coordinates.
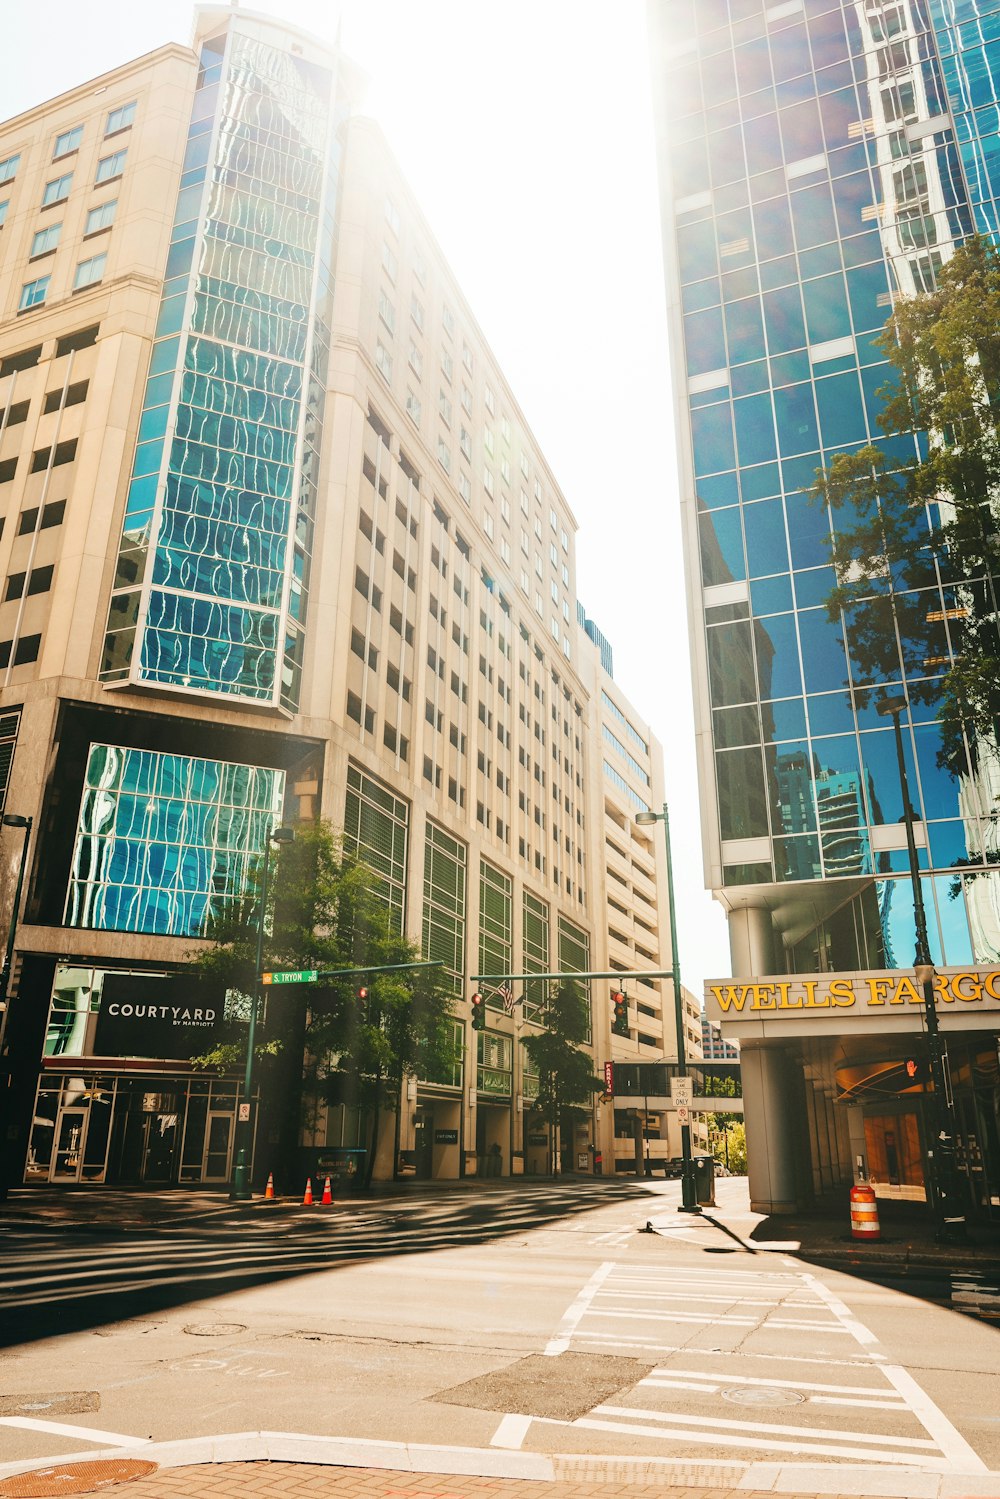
(164, 843)
(821, 158)
(213, 571)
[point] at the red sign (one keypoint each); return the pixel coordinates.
(609, 1078)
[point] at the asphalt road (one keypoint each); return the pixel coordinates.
(543, 1321)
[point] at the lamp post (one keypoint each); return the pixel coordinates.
(239, 1190)
(946, 1188)
(689, 1195)
(10, 820)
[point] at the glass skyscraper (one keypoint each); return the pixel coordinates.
(819, 159)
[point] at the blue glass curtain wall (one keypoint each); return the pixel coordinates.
(166, 842)
(212, 579)
(816, 175)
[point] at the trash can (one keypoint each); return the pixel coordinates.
(704, 1180)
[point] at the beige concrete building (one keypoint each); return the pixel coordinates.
(629, 861)
(277, 542)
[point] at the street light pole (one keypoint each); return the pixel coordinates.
(946, 1188)
(240, 1190)
(10, 820)
(689, 1195)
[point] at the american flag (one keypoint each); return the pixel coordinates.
(506, 993)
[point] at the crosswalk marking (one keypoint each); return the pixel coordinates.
(721, 1423)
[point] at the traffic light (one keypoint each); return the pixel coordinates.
(914, 1069)
(478, 1011)
(619, 1013)
(363, 995)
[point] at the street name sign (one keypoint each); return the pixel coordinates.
(294, 976)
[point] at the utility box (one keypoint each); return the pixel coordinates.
(704, 1180)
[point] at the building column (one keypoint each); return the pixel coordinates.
(771, 1092)
(751, 940)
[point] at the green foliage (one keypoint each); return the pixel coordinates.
(730, 1145)
(916, 543)
(565, 1072)
(325, 912)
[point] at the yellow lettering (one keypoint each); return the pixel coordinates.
(760, 997)
(812, 1003)
(941, 988)
(990, 983)
(877, 990)
(842, 991)
(784, 1003)
(729, 997)
(906, 991)
(958, 980)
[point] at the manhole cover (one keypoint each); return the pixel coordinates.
(750, 1396)
(75, 1478)
(65, 1403)
(214, 1329)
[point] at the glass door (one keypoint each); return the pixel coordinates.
(71, 1130)
(218, 1148)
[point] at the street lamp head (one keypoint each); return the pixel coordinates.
(282, 835)
(14, 820)
(924, 973)
(645, 818)
(890, 706)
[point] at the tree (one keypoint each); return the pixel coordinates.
(565, 1072)
(326, 911)
(730, 1144)
(915, 540)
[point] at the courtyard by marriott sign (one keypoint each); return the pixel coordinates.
(870, 993)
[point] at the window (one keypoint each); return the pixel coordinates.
(33, 293)
(45, 241)
(467, 357)
(447, 365)
(15, 414)
(505, 429)
(417, 312)
(465, 488)
(75, 393)
(488, 524)
(8, 468)
(24, 359)
(3, 210)
(52, 515)
(63, 452)
(505, 470)
(110, 166)
(39, 581)
(392, 216)
(389, 262)
(444, 456)
(413, 407)
(419, 268)
(505, 550)
(416, 359)
(67, 142)
(57, 191)
(383, 360)
(525, 583)
(386, 311)
(488, 442)
(466, 399)
(120, 118)
(89, 271)
(465, 443)
(447, 320)
(9, 166)
(26, 651)
(488, 480)
(101, 217)
(490, 402)
(444, 406)
(70, 343)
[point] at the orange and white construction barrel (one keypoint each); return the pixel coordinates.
(864, 1214)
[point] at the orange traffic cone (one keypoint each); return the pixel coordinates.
(327, 1198)
(269, 1189)
(307, 1200)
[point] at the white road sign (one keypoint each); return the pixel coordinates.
(683, 1114)
(681, 1091)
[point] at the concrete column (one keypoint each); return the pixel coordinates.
(751, 938)
(772, 1097)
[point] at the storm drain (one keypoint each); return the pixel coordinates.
(75, 1478)
(69, 1403)
(748, 1396)
(215, 1329)
(563, 1388)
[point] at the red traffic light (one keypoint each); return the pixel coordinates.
(478, 1017)
(363, 992)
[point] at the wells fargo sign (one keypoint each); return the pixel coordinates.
(868, 992)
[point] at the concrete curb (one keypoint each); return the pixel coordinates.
(412, 1457)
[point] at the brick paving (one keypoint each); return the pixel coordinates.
(304, 1481)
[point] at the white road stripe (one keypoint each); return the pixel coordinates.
(85, 1433)
(782, 1384)
(716, 1423)
(654, 1346)
(720, 1439)
(578, 1310)
(957, 1450)
(739, 1296)
(675, 1317)
(511, 1432)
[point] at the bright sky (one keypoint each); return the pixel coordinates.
(525, 130)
